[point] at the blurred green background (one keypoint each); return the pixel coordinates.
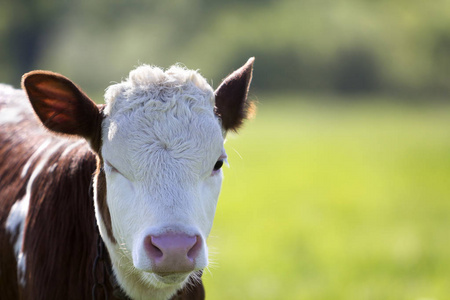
(340, 187)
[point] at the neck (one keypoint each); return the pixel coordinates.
(103, 274)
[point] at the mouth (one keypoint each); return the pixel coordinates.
(171, 278)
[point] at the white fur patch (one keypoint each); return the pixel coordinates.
(16, 105)
(161, 135)
(16, 220)
(72, 147)
(21, 268)
(33, 157)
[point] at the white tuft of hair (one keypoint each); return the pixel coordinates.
(151, 86)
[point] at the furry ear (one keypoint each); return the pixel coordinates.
(232, 105)
(60, 105)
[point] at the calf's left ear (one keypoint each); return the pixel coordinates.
(232, 105)
(60, 105)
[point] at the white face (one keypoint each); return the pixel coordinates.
(161, 144)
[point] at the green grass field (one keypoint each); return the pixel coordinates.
(335, 200)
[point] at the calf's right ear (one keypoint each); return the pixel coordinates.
(232, 105)
(61, 106)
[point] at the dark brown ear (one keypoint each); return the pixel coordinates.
(60, 105)
(232, 105)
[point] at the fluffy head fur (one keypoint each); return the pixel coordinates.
(159, 111)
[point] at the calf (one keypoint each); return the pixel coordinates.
(117, 200)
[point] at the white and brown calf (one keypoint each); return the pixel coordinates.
(144, 168)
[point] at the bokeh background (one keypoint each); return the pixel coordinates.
(340, 187)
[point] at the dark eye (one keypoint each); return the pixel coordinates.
(218, 165)
(113, 169)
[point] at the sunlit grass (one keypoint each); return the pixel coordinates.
(335, 200)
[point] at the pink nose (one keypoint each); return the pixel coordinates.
(172, 253)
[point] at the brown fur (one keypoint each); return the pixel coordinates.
(65, 109)
(60, 238)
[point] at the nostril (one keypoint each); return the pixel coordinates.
(152, 249)
(194, 251)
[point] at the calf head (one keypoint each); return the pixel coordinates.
(159, 140)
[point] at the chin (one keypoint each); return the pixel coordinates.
(165, 280)
(171, 279)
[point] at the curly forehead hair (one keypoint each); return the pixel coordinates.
(152, 87)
